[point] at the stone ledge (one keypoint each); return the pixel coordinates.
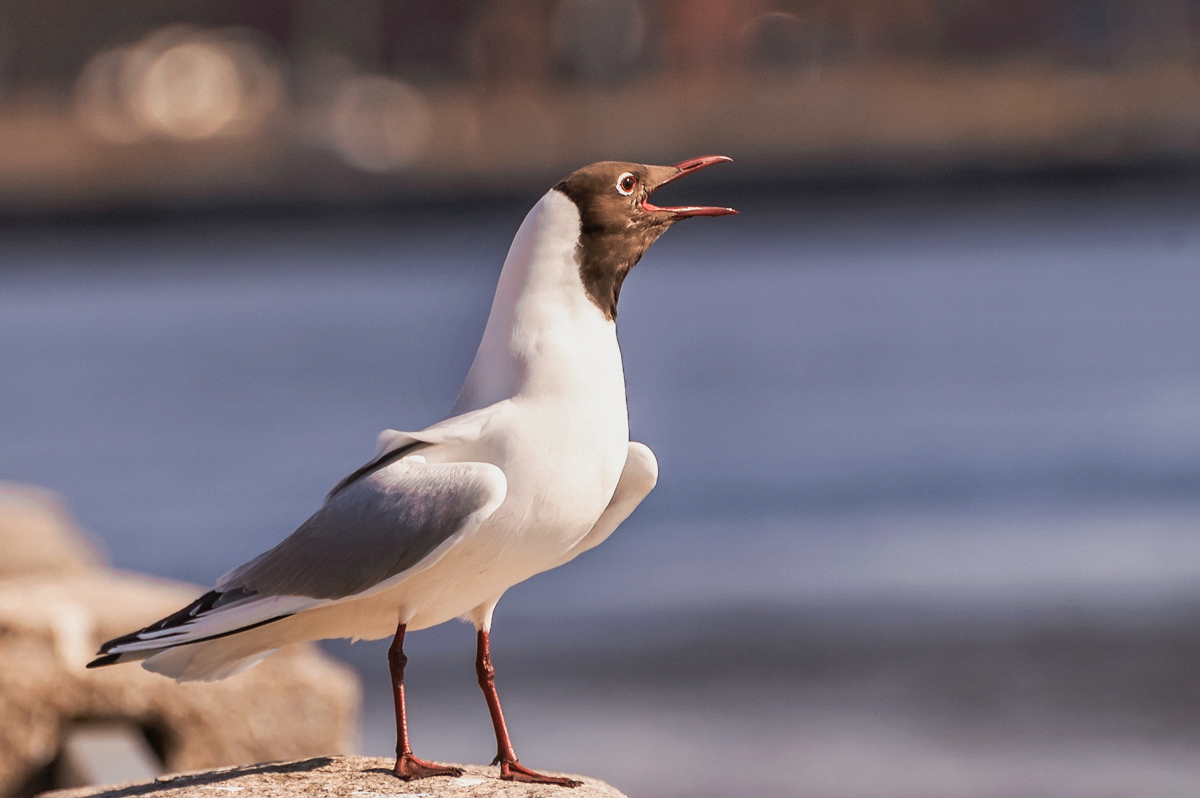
(336, 777)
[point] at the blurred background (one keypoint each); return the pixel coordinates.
(132, 102)
(927, 412)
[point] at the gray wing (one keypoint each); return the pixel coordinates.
(399, 518)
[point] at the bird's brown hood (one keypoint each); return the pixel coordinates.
(617, 221)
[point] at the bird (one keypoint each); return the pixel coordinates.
(532, 467)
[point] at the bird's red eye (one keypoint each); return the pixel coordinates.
(626, 183)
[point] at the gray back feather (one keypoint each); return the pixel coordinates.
(378, 527)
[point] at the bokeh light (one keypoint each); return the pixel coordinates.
(379, 124)
(100, 104)
(179, 83)
(191, 91)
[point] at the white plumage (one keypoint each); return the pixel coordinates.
(540, 433)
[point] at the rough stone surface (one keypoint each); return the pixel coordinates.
(296, 703)
(330, 777)
(37, 535)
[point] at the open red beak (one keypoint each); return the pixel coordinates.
(685, 168)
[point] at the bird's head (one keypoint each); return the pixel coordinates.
(617, 221)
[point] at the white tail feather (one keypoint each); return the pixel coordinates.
(204, 662)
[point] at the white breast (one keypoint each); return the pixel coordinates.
(544, 336)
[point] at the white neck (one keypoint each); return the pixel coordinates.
(544, 336)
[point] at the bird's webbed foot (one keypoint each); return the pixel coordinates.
(408, 768)
(515, 771)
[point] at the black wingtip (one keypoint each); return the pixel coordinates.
(107, 659)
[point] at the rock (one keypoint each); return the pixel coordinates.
(105, 752)
(334, 777)
(38, 536)
(297, 703)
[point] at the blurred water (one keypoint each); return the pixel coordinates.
(990, 397)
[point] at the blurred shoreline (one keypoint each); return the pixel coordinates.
(755, 189)
(298, 101)
(850, 124)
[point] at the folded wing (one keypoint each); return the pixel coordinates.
(393, 522)
(398, 519)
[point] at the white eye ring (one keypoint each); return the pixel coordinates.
(622, 191)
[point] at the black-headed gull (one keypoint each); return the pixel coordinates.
(533, 467)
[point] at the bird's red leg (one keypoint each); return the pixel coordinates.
(408, 767)
(506, 757)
